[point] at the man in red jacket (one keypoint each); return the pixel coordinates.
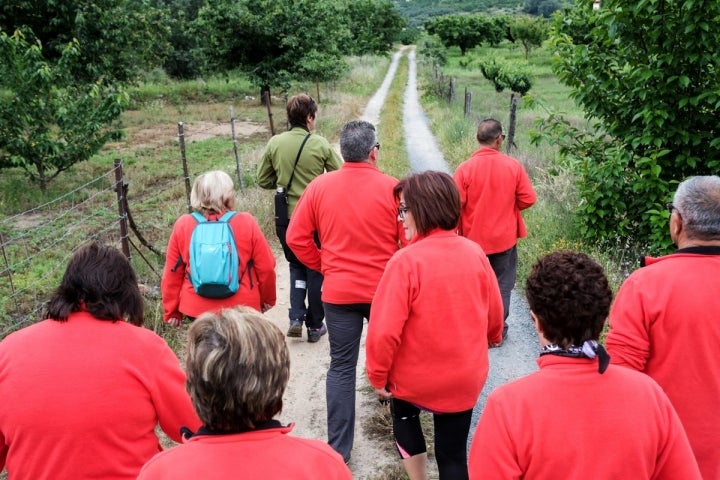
(666, 318)
(354, 212)
(494, 188)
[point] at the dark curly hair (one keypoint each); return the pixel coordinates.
(569, 294)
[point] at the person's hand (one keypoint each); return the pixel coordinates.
(265, 307)
(384, 395)
(174, 322)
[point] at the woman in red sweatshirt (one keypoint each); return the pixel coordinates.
(84, 390)
(435, 311)
(578, 416)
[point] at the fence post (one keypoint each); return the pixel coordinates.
(513, 120)
(235, 148)
(468, 100)
(270, 115)
(181, 138)
(451, 96)
(9, 272)
(119, 189)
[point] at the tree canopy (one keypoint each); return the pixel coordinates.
(647, 73)
(465, 31)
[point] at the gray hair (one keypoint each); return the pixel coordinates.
(357, 139)
(213, 192)
(488, 130)
(697, 200)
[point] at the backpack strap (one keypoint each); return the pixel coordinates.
(199, 217)
(227, 216)
(292, 175)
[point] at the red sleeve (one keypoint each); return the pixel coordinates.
(172, 281)
(390, 312)
(492, 452)
(172, 402)
(301, 231)
(264, 267)
(459, 180)
(628, 340)
(525, 195)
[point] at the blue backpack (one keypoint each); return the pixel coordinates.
(214, 259)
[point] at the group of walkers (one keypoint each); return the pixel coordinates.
(429, 262)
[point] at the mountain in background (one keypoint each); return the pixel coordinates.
(417, 11)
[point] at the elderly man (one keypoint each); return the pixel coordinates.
(494, 188)
(354, 212)
(666, 318)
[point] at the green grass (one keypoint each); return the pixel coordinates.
(393, 158)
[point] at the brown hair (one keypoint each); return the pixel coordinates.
(298, 109)
(433, 198)
(238, 366)
(569, 294)
(100, 280)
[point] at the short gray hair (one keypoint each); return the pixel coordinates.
(238, 366)
(697, 200)
(357, 139)
(213, 192)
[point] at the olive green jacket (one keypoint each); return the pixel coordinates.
(278, 160)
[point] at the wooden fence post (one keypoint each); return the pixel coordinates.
(181, 138)
(468, 99)
(270, 114)
(235, 148)
(513, 121)
(451, 95)
(119, 189)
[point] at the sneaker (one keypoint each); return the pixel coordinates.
(314, 334)
(295, 329)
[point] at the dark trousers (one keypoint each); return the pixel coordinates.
(504, 264)
(304, 282)
(345, 326)
(451, 435)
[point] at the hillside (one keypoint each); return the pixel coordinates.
(417, 11)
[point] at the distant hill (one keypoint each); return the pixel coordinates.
(417, 11)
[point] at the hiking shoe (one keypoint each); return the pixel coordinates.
(295, 329)
(314, 334)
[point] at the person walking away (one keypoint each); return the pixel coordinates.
(433, 316)
(290, 162)
(494, 189)
(238, 367)
(213, 195)
(84, 390)
(354, 213)
(578, 416)
(665, 321)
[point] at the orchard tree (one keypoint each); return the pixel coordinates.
(270, 39)
(48, 122)
(465, 31)
(648, 74)
(375, 25)
(116, 39)
(530, 31)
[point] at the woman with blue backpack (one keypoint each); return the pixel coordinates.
(216, 257)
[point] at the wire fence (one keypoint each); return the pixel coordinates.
(36, 245)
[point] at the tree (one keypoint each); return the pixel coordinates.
(530, 31)
(270, 39)
(116, 39)
(47, 121)
(375, 25)
(647, 73)
(465, 31)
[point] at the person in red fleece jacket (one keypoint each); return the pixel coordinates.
(213, 194)
(238, 366)
(665, 321)
(578, 416)
(84, 390)
(435, 311)
(494, 189)
(354, 214)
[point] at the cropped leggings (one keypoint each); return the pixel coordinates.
(451, 434)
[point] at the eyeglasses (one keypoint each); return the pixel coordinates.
(402, 211)
(670, 207)
(377, 145)
(503, 136)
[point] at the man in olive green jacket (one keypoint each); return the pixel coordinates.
(282, 167)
